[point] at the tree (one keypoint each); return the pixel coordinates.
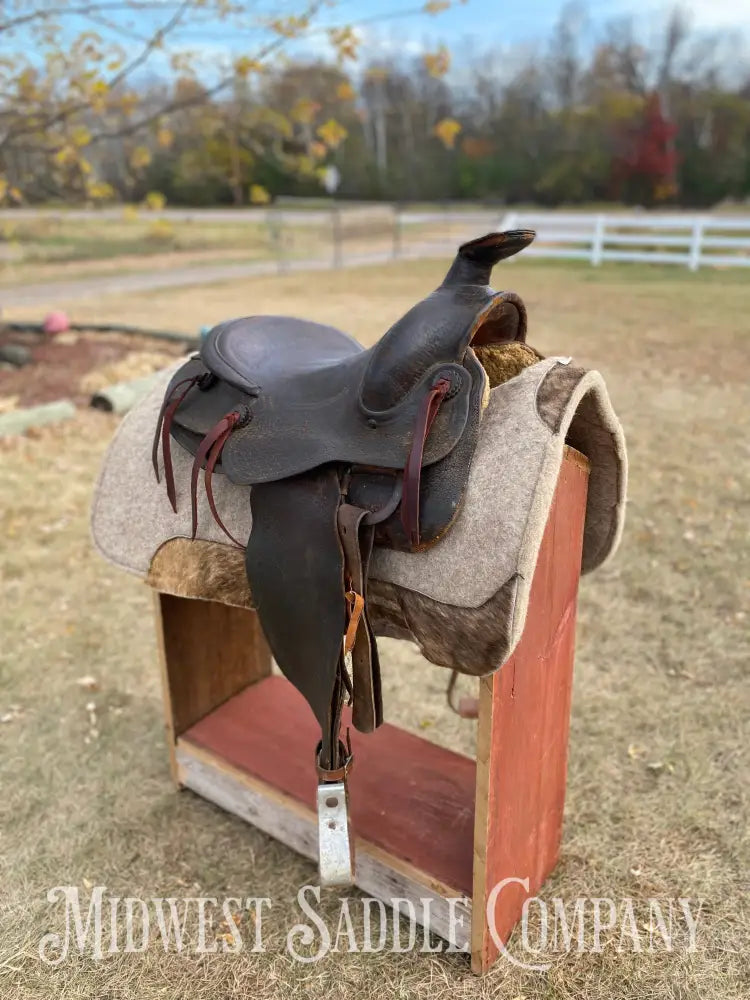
(72, 83)
(649, 165)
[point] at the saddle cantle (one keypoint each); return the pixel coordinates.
(344, 448)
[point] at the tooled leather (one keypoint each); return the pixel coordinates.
(283, 440)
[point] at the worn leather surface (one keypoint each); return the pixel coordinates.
(295, 566)
(258, 353)
(301, 423)
(443, 483)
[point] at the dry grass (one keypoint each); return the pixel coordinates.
(658, 798)
(52, 248)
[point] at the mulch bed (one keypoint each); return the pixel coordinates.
(60, 363)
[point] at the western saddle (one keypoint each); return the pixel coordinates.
(344, 448)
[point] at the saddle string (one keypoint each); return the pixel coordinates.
(355, 606)
(163, 431)
(209, 452)
(413, 468)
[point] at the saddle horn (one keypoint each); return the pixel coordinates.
(438, 329)
(475, 259)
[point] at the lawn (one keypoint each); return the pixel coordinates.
(658, 799)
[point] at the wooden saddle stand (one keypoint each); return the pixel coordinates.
(432, 825)
(433, 487)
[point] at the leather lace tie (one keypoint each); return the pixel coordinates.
(169, 407)
(209, 452)
(428, 410)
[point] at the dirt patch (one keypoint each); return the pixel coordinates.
(73, 365)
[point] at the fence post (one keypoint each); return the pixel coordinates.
(597, 243)
(274, 221)
(694, 257)
(337, 236)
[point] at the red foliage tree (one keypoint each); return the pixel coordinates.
(648, 164)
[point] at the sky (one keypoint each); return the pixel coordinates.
(473, 29)
(501, 20)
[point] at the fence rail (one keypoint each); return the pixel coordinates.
(289, 238)
(387, 232)
(691, 240)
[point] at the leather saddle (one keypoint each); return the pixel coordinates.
(344, 448)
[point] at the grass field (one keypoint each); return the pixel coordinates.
(659, 797)
(56, 246)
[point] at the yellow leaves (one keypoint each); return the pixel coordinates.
(155, 201)
(244, 66)
(25, 83)
(98, 95)
(447, 130)
(128, 103)
(65, 156)
(290, 27)
(437, 63)
(80, 136)
(129, 213)
(99, 190)
(165, 137)
(436, 6)
(304, 111)
(305, 166)
(140, 158)
(258, 195)
(345, 92)
(332, 133)
(160, 231)
(3, 188)
(344, 41)
(318, 150)
(665, 190)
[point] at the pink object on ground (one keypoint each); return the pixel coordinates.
(56, 322)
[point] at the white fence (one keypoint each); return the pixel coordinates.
(347, 235)
(692, 240)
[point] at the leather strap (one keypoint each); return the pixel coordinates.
(209, 452)
(356, 542)
(163, 432)
(213, 457)
(341, 771)
(295, 566)
(413, 469)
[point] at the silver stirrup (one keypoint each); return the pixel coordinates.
(335, 843)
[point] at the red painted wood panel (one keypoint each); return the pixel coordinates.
(529, 719)
(409, 797)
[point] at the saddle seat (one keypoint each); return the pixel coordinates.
(310, 394)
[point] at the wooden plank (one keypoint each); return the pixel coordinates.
(166, 694)
(208, 652)
(523, 729)
(378, 874)
(409, 797)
